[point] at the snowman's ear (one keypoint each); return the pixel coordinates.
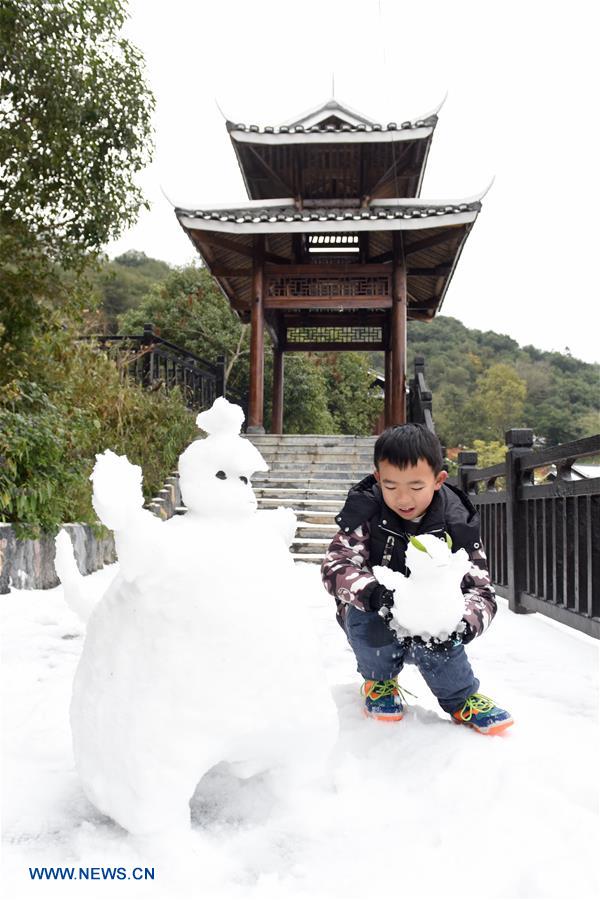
(449, 541)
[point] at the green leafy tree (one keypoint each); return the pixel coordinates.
(76, 122)
(122, 283)
(588, 424)
(489, 453)
(75, 130)
(188, 309)
(500, 401)
(305, 394)
(353, 403)
(48, 440)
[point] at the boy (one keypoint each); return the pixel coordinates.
(406, 496)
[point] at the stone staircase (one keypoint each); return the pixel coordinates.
(311, 473)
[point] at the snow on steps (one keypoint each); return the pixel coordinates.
(311, 473)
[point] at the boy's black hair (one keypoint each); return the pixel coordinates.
(405, 445)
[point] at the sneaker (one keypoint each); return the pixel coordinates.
(482, 714)
(382, 700)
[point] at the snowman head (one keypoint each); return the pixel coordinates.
(215, 472)
(427, 552)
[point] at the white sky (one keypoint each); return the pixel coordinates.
(522, 106)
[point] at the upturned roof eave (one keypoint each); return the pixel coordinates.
(332, 136)
(280, 216)
(289, 203)
(327, 225)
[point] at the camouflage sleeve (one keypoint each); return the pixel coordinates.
(345, 570)
(479, 593)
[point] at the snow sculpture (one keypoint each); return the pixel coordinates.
(199, 651)
(429, 602)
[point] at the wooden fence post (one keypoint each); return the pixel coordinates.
(221, 385)
(148, 357)
(519, 442)
(467, 461)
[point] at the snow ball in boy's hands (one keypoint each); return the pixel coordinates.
(429, 602)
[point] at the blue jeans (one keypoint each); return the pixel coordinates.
(380, 656)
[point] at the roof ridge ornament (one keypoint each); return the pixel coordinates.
(324, 110)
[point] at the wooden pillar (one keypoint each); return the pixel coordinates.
(277, 406)
(398, 342)
(257, 332)
(389, 387)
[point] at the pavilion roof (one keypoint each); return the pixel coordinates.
(332, 151)
(435, 233)
(284, 215)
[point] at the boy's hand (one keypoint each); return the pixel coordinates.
(379, 596)
(453, 640)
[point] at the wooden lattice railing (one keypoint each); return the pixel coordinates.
(541, 527)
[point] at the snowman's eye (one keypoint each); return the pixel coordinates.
(244, 479)
(221, 474)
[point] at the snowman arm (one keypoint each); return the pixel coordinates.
(480, 597)
(345, 570)
(282, 521)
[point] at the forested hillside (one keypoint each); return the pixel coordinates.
(482, 381)
(479, 377)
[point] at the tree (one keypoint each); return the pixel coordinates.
(188, 309)
(75, 130)
(499, 402)
(353, 403)
(76, 122)
(489, 453)
(122, 283)
(305, 409)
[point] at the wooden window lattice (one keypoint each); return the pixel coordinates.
(342, 286)
(335, 334)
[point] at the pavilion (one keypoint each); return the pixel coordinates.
(335, 249)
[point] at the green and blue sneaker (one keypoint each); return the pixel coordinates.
(482, 714)
(383, 700)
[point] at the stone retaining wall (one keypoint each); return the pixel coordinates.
(168, 501)
(30, 564)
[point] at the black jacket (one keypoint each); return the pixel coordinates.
(372, 534)
(450, 511)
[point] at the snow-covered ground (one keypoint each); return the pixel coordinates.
(419, 808)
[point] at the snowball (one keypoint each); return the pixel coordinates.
(428, 603)
(201, 650)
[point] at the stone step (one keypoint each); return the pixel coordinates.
(316, 469)
(311, 530)
(300, 503)
(316, 558)
(317, 516)
(312, 451)
(311, 545)
(300, 483)
(350, 467)
(330, 439)
(293, 494)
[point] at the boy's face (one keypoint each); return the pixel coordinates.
(408, 491)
